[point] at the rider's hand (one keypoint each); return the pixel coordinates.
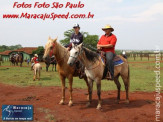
(99, 48)
(68, 48)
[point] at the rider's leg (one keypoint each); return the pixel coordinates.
(32, 66)
(109, 63)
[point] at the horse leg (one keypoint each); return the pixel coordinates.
(34, 77)
(98, 83)
(52, 67)
(116, 81)
(90, 82)
(86, 80)
(70, 89)
(47, 66)
(39, 74)
(126, 83)
(55, 68)
(63, 90)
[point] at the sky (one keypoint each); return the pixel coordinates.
(137, 23)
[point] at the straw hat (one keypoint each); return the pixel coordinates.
(36, 55)
(108, 27)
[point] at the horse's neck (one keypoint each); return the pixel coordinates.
(85, 61)
(60, 53)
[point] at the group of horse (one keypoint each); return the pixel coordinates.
(94, 68)
(37, 67)
(16, 58)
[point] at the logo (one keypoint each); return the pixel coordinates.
(17, 112)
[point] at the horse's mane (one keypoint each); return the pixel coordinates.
(90, 55)
(61, 51)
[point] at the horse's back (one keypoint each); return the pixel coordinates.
(37, 66)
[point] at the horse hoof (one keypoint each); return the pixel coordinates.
(117, 101)
(99, 107)
(87, 97)
(61, 102)
(127, 102)
(70, 104)
(88, 104)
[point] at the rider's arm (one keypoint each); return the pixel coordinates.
(112, 43)
(105, 46)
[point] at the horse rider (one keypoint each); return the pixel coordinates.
(76, 37)
(35, 60)
(124, 54)
(107, 44)
(16, 55)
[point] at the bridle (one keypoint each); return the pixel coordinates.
(77, 55)
(52, 53)
(52, 50)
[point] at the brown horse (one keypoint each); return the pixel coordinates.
(1, 60)
(19, 59)
(95, 68)
(12, 59)
(61, 54)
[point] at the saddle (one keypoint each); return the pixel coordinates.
(79, 69)
(117, 61)
(103, 57)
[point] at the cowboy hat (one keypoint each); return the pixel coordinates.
(108, 27)
(36, 55)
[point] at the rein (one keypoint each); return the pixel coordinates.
(86, 68)
(52, 51)
(94, 67)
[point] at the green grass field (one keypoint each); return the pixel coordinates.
(142, 77)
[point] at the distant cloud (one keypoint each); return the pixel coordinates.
(151, 14)
(156, 9)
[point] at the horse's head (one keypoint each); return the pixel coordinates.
(75, 52)
(50, 48)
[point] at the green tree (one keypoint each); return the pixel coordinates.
(13, 47)
(90, 41)
(39, 51)
(67, 36)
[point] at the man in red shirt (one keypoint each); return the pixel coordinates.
(107, 44)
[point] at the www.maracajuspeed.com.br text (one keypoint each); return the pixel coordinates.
(44, 16)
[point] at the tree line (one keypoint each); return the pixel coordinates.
(13, 47)
(89, 41)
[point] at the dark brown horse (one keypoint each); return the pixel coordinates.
(1, 60)
(51, 61)
(19, 59)
(12, 59)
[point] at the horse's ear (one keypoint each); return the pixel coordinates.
(81, 45)
(54, 40)
(49, 38)
(73, 45)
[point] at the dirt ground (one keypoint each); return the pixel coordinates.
(46, 108)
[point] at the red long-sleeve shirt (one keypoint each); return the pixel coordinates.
(104, 40)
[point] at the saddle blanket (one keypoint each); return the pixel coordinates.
(117, 61)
